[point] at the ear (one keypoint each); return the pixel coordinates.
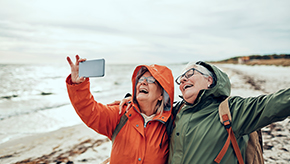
(210, 80)
(160, 97)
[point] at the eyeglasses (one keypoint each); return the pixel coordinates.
(187, 74)
(149, 79)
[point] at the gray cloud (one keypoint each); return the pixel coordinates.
(144, 31)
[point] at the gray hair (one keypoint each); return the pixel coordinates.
(204, 70)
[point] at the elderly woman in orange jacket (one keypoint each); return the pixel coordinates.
(143, 138)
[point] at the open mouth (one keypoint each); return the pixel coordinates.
(187, 86)
(143, 91)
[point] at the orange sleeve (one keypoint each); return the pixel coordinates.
(101, 118)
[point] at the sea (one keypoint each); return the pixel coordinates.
(34, 99)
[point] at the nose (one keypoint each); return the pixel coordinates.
(183, 79)
(144, 82)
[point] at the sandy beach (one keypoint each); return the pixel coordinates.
(78, 144)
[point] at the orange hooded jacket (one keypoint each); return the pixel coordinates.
(136, 142)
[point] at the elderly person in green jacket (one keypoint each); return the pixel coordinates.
(199, 136)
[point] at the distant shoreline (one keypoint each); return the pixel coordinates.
(274, 59)
(276, 62)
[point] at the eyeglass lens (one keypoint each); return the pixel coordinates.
(187, 74)
(149, 79)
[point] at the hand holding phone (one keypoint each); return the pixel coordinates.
(75, 70)
(92, 68)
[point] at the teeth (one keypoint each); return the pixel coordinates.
(143, 91)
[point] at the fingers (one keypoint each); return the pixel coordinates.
(120, 108)
(116, 102)
(121, 104)
(82, 59)
(124, 102)
(128, 107)
(77, 59)
(75, 69)
(82, 79)
(69, 61)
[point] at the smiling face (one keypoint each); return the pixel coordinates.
(148, 93)
(191, 86)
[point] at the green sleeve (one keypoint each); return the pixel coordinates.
(253, 113)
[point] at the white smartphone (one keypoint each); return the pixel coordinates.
(92, 68)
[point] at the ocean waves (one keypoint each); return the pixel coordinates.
(34, 99)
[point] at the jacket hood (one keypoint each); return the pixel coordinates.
(222, 87)
(165, 78)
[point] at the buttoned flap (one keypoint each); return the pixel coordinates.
(136, 121)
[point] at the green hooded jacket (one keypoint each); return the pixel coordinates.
(199, 136)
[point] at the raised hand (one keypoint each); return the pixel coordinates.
(123, 103)
(75, 70)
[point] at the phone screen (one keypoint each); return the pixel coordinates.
(92, 68)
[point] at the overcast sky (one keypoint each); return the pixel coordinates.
(141, 31)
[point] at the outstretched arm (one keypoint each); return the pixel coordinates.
(252, 113)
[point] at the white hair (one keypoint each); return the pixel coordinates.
(205, 72)
(200, 68)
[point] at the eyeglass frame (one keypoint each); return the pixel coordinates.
(184, 75)
(147, 78)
